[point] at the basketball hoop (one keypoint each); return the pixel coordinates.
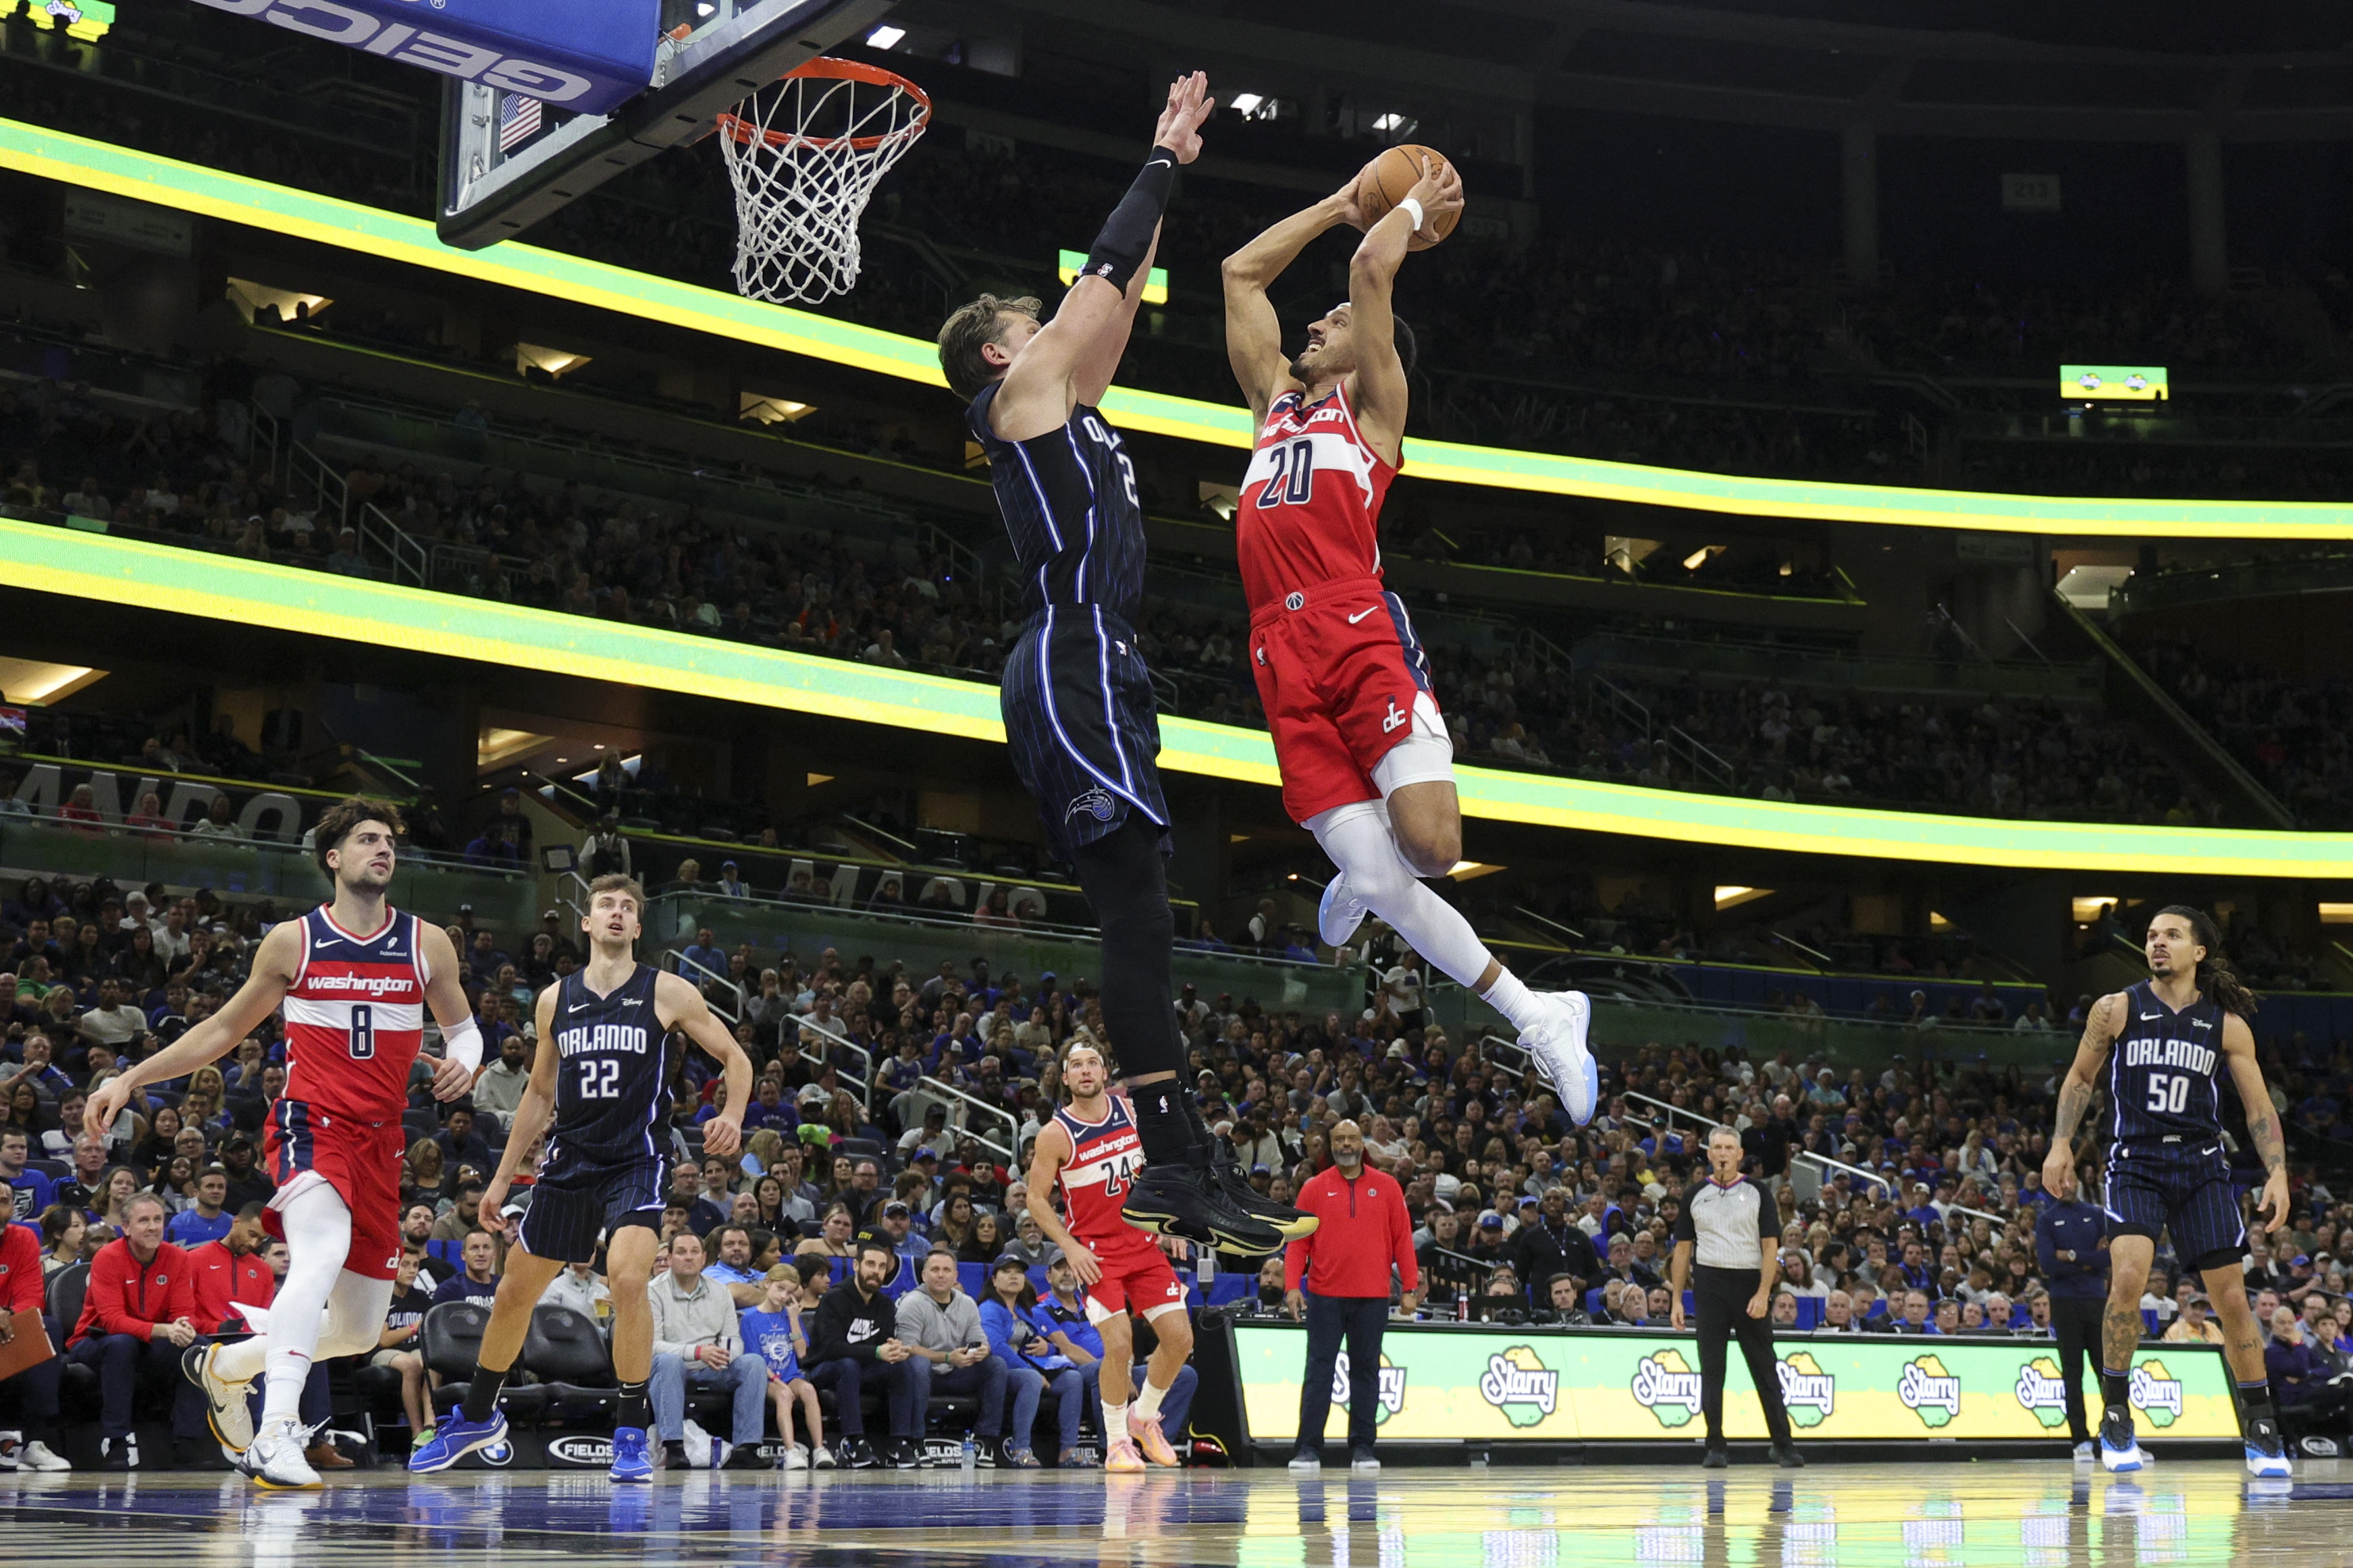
(805, 154)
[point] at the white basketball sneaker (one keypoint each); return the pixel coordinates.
(275, 1456)
(1557, 1040)
(225, 1402)
(1340, 914)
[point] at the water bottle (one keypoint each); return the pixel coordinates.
(971, 1459)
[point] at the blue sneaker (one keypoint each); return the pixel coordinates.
(2120, 1450)
(2267, 1454)
(632, 1460)
(455, 1439)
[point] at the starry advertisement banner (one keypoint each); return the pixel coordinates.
(1441, 1382)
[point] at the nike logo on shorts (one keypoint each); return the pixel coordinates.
(1360, 614)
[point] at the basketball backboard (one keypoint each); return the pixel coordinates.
(508, 159)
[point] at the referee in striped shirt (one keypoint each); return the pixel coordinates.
(1730, 1225)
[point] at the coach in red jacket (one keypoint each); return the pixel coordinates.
(29, 1401)
(1345, 1268)
(137, 1316)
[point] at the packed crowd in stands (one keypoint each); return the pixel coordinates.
(1580, 342)
(853, 599)
(2291, 734)
(1925, 1225)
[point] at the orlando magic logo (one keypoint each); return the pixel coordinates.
(1096, 803)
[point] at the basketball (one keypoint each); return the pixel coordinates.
(1385, 183)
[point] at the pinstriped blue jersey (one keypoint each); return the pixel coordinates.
(612, 1093)
(2161, 1071)
(1070, 505)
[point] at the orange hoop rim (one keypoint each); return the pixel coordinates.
(742, 130)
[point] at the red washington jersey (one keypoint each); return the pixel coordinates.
(1311, 502)
(355, 1016)
(1105, 1156)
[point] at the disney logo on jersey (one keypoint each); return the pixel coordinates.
(1665, 1385)
(1391, 1384)
(1929, 1390)
(1518, 1383)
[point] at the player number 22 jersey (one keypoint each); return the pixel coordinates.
(1311, 502)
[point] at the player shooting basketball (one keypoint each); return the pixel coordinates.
(1368, 765)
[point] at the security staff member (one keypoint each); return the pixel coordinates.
(1730, 1223)
(1338, 1279)
(2071, 1243)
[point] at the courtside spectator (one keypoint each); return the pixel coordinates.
(942, 1325)
(29, 1191)
(478, 1280)
(139, 1315)
(854, 1342)
(29, 1401)
(774, 1328)
(207, 1220)
(397, 1348)
(698, 1342)
(1016, 1342)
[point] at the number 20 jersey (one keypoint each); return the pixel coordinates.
(2161, 1071)
(355, 1016)
(1311, 502)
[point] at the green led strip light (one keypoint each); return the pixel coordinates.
(142, 176)
(49, 559)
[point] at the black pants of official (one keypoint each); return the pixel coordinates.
(1722, 1297)
(2078, 1320)
(1331, 1319)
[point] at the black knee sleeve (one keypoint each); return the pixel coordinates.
(1126, 881)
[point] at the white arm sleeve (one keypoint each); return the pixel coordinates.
(464, 1044)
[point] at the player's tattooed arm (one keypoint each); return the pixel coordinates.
(2247, 1075)
(2100, 1030)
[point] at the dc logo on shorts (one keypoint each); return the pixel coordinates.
(1096, 803)
(1295, 602)
(1394, 719)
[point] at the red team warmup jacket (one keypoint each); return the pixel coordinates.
(21, 1284)
(1365, 1230)
(127, 1297)
(224, 1282)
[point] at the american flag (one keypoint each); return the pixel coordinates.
(518, 120)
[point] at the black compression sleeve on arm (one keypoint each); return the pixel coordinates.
(1126, 237)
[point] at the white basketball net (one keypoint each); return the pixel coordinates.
(805, 154)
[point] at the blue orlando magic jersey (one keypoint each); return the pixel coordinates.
(2161, 1084)
(1070, 505)
(612, 1093)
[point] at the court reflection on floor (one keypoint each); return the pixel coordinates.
(1960, 1513)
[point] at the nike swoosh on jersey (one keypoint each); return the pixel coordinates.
(1360, 614)
(579, 1007)
(2146, 1017)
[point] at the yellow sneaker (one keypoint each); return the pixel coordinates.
(1123, 1459)
(1144, 1432)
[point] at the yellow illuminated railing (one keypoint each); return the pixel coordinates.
(235, 198)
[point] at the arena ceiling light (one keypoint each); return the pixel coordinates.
(885, 38)
(73, 563)
(81, 161)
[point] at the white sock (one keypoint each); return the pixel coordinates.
(1147, 1404)
(318, 1236)
(242, 1362)
(1361, 843)
(1115, 1423)
(1509, 996)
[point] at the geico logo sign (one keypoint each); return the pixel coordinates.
(596, 1452)
(418, 46)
